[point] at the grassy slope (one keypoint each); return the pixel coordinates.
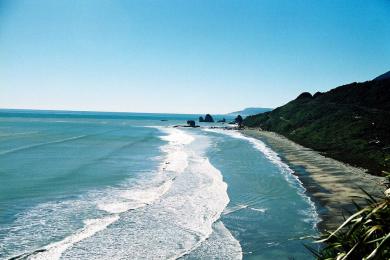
(345, 123)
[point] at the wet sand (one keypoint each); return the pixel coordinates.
(331, 184)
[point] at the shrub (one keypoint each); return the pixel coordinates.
(364, 235)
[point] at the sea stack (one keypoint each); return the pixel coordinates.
(208, 118)
(191, 123)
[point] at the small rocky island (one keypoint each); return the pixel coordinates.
(207, 119)
(191, 123)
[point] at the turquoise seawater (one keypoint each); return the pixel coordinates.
(84, 185)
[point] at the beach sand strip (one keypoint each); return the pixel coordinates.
(331, 184)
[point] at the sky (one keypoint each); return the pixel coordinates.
(185, 56)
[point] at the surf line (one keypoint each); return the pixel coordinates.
(177, 162)
(271, 155)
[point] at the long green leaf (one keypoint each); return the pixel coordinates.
(373, 253)
(344, 224)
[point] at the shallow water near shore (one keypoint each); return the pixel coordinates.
(332, 184)
(269, 211)
(132, 186)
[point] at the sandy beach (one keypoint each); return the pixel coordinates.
(331, 184)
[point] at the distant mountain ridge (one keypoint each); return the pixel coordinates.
(350, 123)
(249, 111)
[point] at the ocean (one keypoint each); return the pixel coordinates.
(86, 185)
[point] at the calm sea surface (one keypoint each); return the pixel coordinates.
(83, 185)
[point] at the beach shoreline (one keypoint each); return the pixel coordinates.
(331, 184)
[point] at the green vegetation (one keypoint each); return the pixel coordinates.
(350, 123)
(364, 235)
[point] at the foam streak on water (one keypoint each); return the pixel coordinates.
(41, 144)
(92, 226)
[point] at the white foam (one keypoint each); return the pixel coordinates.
(92, 226)
(184, 198)
(177, 158)
(234, 208)
(262, 210)
(220, 245)
(134, 198)
(174, 163)
(275, 159)
(120, 201)
(199, 219)
(176, 136)
(175, 225)
(45, 223)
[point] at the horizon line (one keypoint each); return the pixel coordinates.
(123, 112)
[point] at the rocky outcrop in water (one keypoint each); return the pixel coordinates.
(191, 123)
(208, 118)
(239, 121)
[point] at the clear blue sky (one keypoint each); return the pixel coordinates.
(186, 56)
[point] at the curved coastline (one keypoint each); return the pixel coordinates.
(285, 169)
(331, 184)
